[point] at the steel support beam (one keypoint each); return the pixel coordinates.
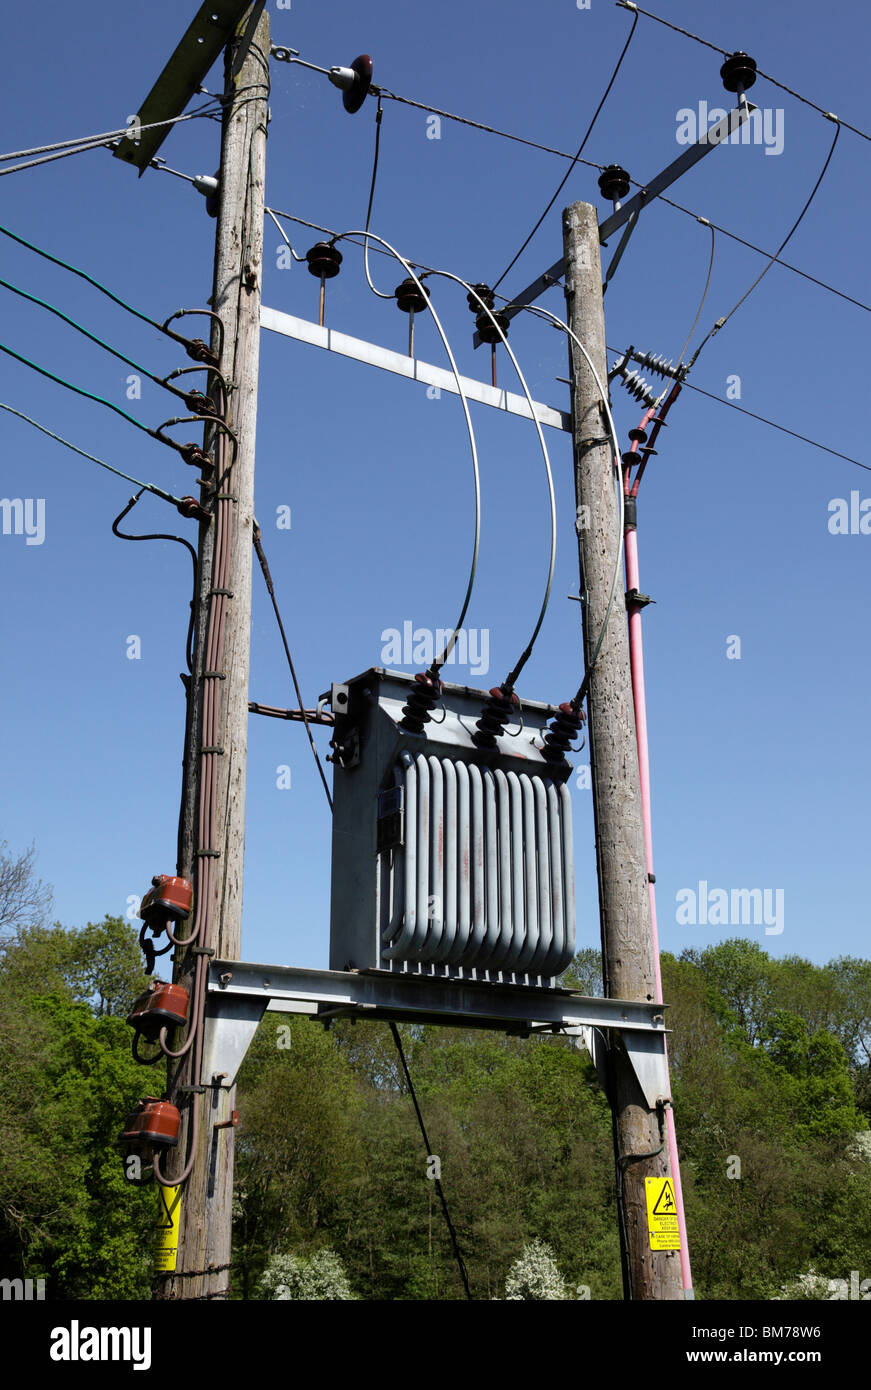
(411, 367)
(239, 993)
(200, 46)
(713, 137)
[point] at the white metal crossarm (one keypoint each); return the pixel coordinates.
(400, 364)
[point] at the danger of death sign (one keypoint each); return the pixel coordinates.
(661, 1214)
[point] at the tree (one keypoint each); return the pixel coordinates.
(321, 1277)
(535, 1275)
(24, 899)
(67, 1082)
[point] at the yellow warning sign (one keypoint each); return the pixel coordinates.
(168, 1216)
(661, 1214)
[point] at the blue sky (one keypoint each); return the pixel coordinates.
(760, 765)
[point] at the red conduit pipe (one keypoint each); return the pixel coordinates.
(636, 661)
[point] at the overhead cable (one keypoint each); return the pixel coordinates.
(437, 1181)
(829, 115)
(149, 487)
(264, 566)
(449, 646)
(575, 158)
(721, 322)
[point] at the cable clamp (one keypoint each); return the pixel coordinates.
(225, 497)
(228, 593)
(215, 675)
(202, 951)
(192, 1090)
(210, 748)
(207, 854)
(636, 600)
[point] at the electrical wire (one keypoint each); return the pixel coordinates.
(161, 536)
(805, 439)
(679, 207)
(591, 164)
(83, 275)
(79, 390)
(559, 323)
(378, 115)
(576, 157)
(763, 419)
(628, 5)
(437, 1181)
(264, 566)
(147, 487)
(704, 294)
(282, 233)
(721, 322)
(751, 246)
(510, 680)
(108, 134)
(50, 158)
(115, 352)
(438, 663)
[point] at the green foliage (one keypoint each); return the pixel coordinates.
(770, 1079)
(67, 1081)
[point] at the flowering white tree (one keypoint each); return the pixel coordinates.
(535, 1275)
(320, 1278)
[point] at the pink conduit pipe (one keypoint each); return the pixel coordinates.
(636, 659)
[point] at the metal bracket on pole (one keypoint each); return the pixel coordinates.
(713, 137)
(618, 254)
(206, 36)
(239, 994)
(248, 37)
(646, 1052)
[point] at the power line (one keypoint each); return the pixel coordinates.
(63, 148)
(764, 420)
(149, 487)
(721, 322)
(83, 275)
(590, 164)
(576, 157)
(704, 293)
(291, 217)
(452, 116)
(775, 426)
(264, 566)
(628, 5)
(115, 352)
(79, 390)
(438, 1185)
(697, 217)
(787, 265)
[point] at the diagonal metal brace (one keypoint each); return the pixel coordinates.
(713, 137)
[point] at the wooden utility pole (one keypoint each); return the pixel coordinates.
(627, 954)
(217, 770)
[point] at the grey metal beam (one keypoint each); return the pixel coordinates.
(413, 368)
(422, 999)
(207, 34)
(713, 137)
